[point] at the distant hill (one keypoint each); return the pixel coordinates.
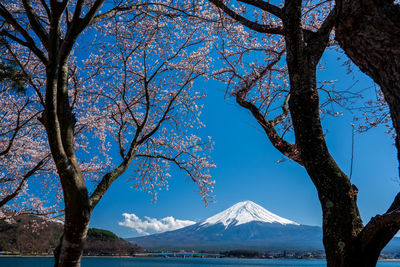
(103, 242)
(29, 234)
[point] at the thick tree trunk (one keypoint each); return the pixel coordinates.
(369, 32)
(341, 218)
(59, 125)
(69, 251)
(77, 217)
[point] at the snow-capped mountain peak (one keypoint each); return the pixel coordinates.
(245, 212)
(245, 225)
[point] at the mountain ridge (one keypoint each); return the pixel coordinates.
(245, 212)
(243, 225)
(231, 229)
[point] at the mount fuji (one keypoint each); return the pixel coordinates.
(245, 225)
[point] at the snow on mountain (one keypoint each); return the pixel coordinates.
(245, 225)
(245, 212)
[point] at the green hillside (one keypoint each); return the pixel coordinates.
(31, 235)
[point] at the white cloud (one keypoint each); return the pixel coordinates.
(153, 225)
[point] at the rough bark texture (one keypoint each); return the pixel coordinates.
(69, 251)
(369, 32)
(341, 219)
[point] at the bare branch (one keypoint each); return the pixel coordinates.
(285, 112)
(395, 205)
(91, 14)
(112, 12)
(379, 231)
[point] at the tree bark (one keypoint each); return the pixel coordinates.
(69, 251)
(369, 33)
(341, 219)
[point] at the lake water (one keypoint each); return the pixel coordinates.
(172, 262)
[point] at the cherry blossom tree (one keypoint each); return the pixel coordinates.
(271, 54)
(21, 140)
(128, 87)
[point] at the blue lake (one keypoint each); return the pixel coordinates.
(172, 262)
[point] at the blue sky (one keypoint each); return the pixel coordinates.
(247, 167)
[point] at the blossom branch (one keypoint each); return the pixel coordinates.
(289, 150)
(266, 6)
(30, 43)
(27, 75)
(138, 6)
(23, 181)
(16, 129)
(246, 22)
(46, 8)
(34, 22)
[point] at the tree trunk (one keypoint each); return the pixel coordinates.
(77, 216)
(59, 123)
(341, 219)
(369, 32)
(69, 251)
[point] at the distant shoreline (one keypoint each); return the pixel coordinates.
(50, 256)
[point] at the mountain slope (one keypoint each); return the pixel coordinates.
(244, 212)
(244, 225)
